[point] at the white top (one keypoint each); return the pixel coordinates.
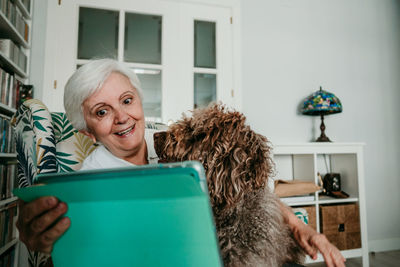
(101, 158)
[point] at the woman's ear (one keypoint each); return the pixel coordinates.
(90, 135)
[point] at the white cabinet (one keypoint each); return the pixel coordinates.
(166, 62)
(305, 161)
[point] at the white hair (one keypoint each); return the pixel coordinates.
(87, 80)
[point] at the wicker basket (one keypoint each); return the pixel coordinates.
(341, 225)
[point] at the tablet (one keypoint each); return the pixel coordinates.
(153, 215)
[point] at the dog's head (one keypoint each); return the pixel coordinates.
(235, 158)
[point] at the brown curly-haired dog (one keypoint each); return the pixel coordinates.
(237, 162)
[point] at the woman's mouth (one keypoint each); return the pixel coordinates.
(126, 131)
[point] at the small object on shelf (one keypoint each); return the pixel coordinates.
(25, 93)
(302, 214)
(311, 216)
(332, 186)
(284, 188)
(321, 103)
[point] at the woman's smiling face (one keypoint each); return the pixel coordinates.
(114, 116)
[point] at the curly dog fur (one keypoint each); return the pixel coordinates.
(237, 161)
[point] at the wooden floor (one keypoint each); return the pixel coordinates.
(381, 259)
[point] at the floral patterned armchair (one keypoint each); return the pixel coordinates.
(46, 142)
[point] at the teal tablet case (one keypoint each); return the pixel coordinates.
(156, 215)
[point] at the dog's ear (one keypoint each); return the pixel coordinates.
(159, 142)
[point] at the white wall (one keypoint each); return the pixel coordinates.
(350, 48)
(38, 49)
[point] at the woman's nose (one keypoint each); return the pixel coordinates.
(120, 117)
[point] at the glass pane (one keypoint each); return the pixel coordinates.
(151, 87)
(204, 44)
(142, 38)
(204, 89)
(98, 33)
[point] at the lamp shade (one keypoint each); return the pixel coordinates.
(321, 103)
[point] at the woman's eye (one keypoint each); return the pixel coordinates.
(128, 101)
(101, 113)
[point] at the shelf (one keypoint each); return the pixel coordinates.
(8, 245)
(303, 161)
(8, 30)
(296, 204)
(23, 10)
(11, 66)
(322, 202)
(331, 200)
(299, 200)
(7, 201)
(315, 147)
(8, 158)
(6, 110)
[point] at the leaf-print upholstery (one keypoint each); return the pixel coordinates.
(46, 142)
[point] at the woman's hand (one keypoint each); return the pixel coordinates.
(40, 223)
(312, 241)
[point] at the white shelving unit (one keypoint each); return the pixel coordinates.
(304, 161)
(9, 31)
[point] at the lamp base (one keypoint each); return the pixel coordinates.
(323, 137)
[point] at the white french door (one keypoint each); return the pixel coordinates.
(182, 52)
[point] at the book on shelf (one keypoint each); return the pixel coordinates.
(12, 90)
(7, 48)
(8, 180)
(7, 258)
(15, 17)
(14, 53)
(8, 214)
(298, 199)
(7, 140)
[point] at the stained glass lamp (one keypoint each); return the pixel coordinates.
(321, 103)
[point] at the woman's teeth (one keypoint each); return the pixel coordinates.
(126, 131)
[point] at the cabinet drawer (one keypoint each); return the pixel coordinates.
(341, 225)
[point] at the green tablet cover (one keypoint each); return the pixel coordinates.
(155, 215)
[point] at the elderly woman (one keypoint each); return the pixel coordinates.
(103, 100)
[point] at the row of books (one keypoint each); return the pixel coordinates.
(7, 220)
(14, 53)
(14, 15)
(12, 91)
(7, 140)
(9, 89)
(8, 180)
(7, 258)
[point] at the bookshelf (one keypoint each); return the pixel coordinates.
(304, 162)
(15, 25)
